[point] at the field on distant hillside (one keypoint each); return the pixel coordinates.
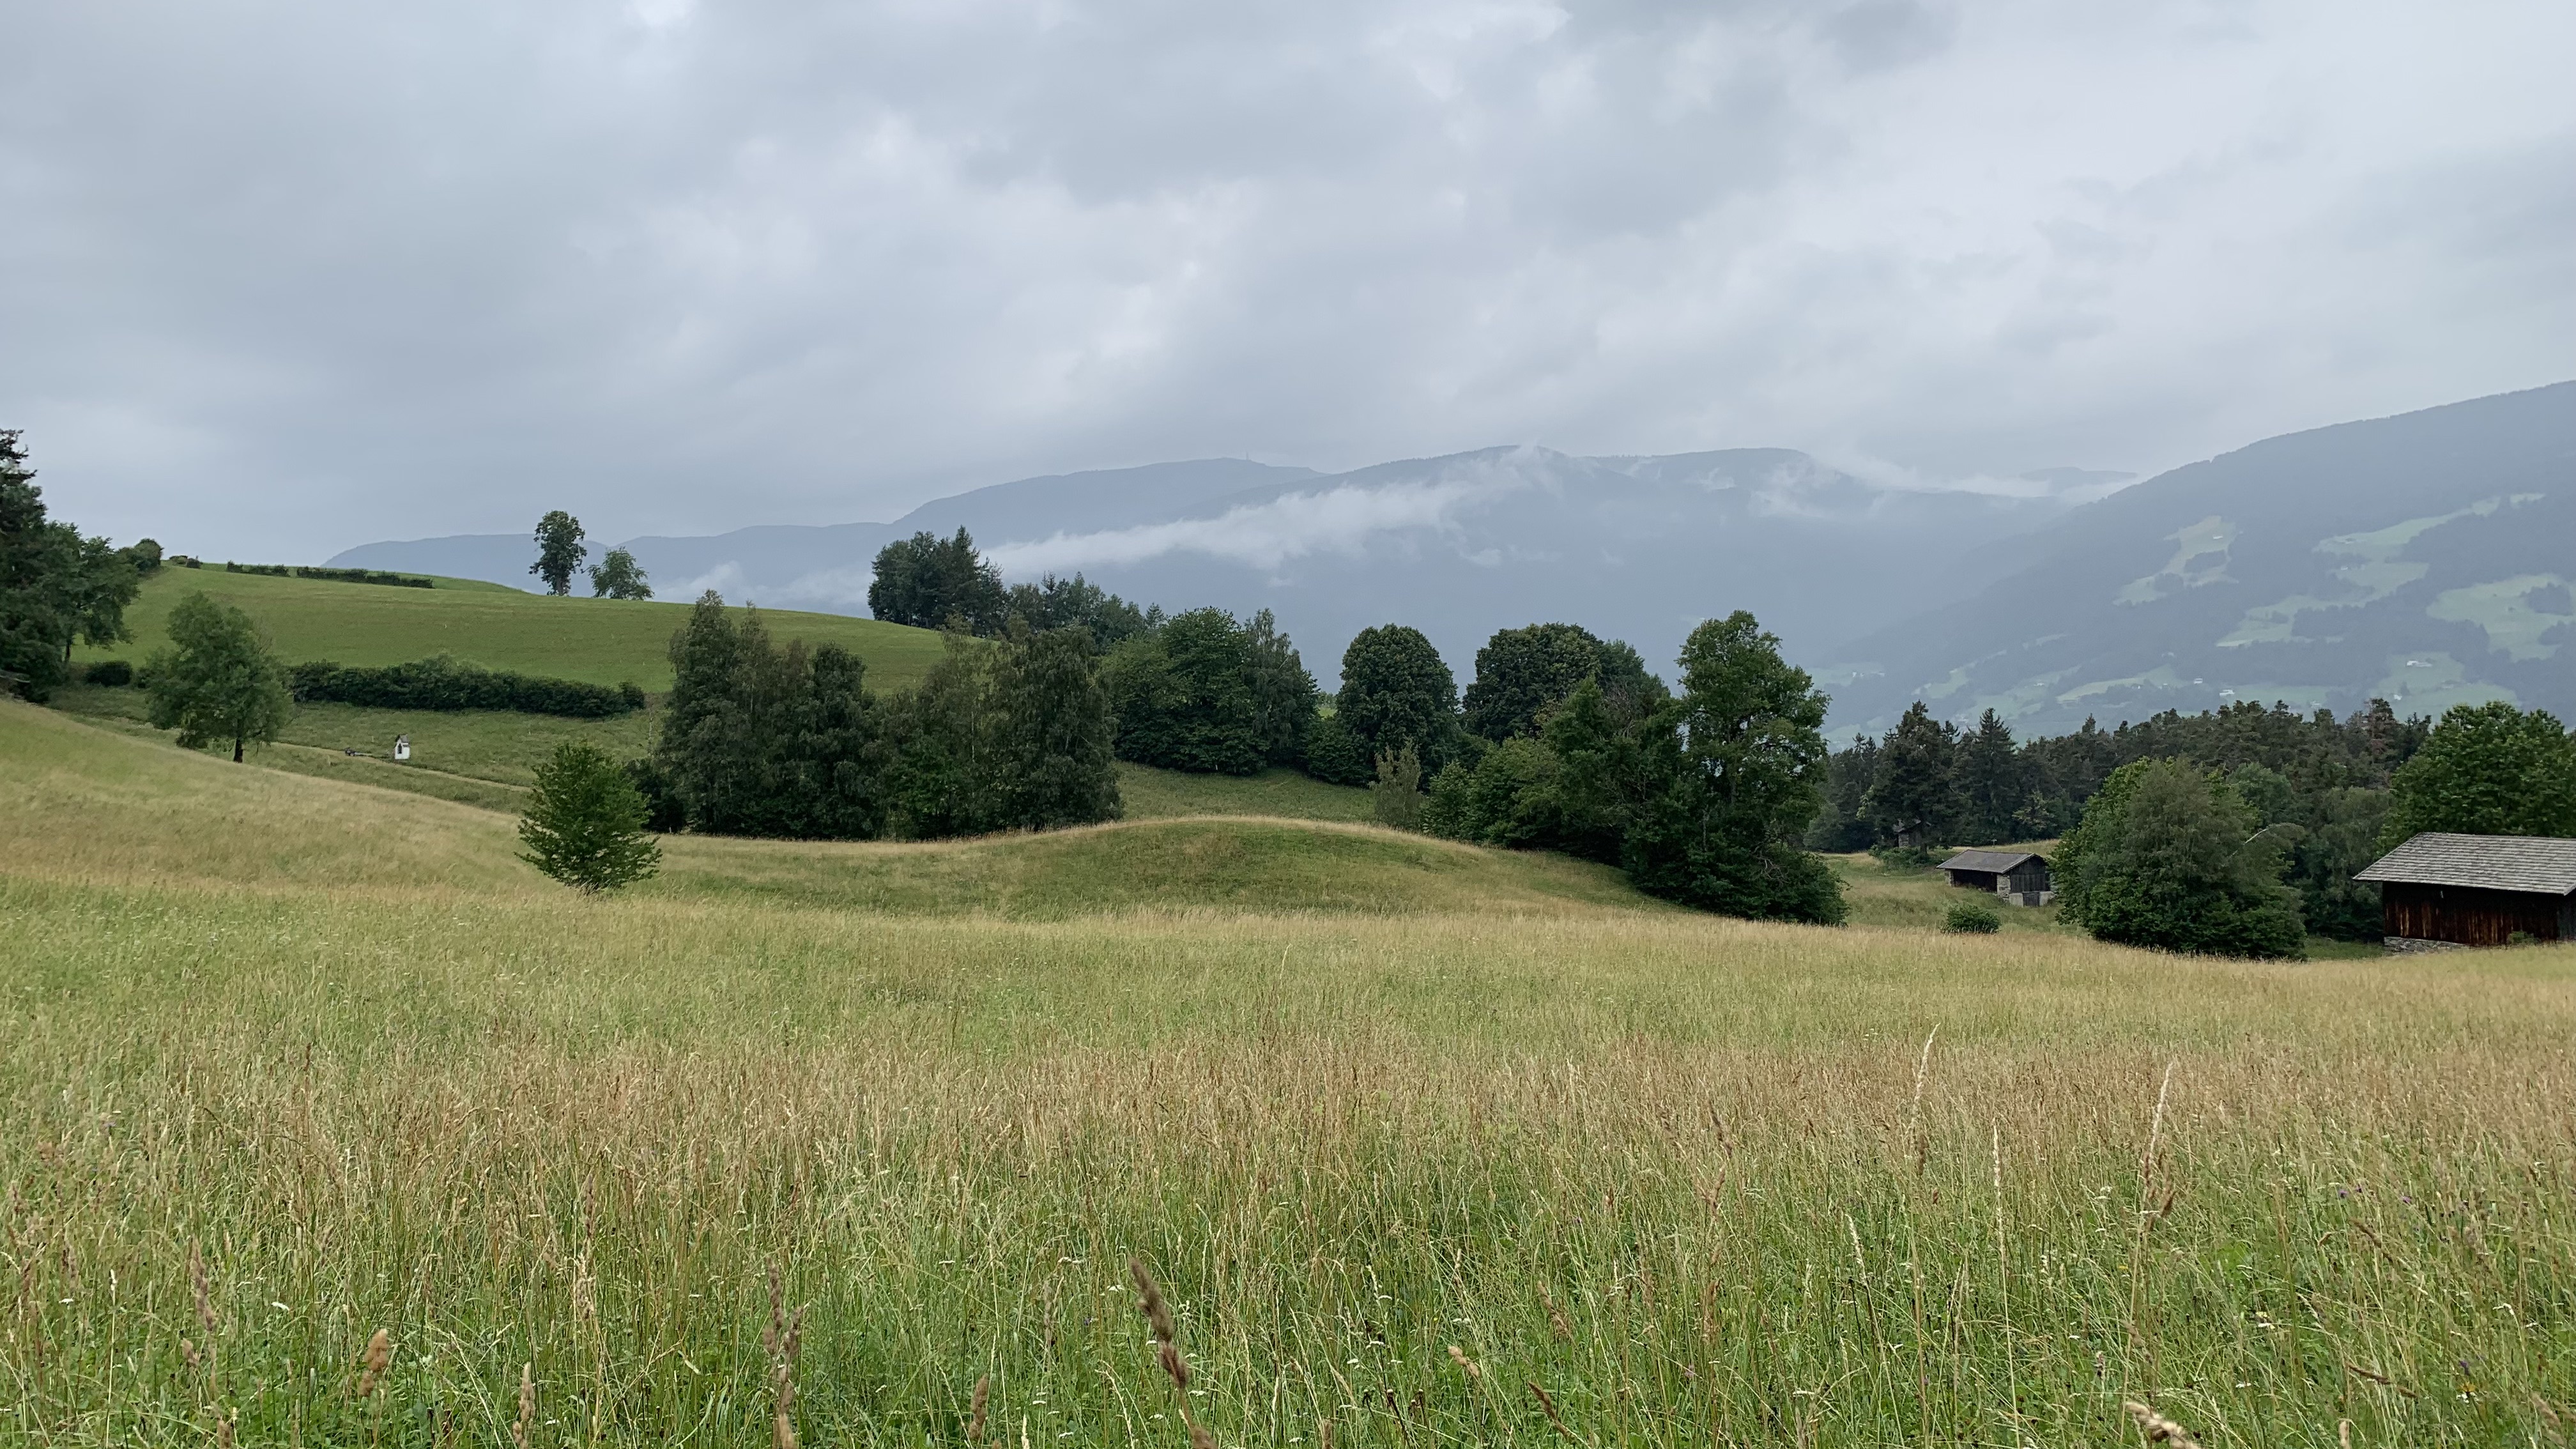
(599, 641)
(1426, 1144)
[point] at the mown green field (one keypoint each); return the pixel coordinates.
(597, 641)
(1696, 1180)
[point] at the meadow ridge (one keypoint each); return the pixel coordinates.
(1694, 1179)
(595, 641)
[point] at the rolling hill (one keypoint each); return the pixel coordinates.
(1640, 548)
(2429, 559)
(80, 801)
(598, 641)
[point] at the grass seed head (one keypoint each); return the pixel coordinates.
(372, 1364)
(2158, 1429)
(983, 1396)
(527, 1404)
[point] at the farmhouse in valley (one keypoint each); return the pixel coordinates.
(2017, 876)
(2441, 890)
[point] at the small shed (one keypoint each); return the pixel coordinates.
(2475, 890)
(2018, 876)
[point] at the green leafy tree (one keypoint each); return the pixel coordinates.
(2166, 857)
(559, 551)
(217, 680)
(1521, 673)
(56, 587)
(1335, 755)
(1735, 764)
(947, 739)
(2340, 837)
(1057, 603)
(1283, 693)
(1396, 796)
(584, 824)
(618, 576)
(1913, 799)
(1183, 697)
(1397, 692)
(1054, 757)
(935, 583)
(2486, 769)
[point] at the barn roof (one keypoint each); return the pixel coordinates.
(2491, 862)
(1998, 861)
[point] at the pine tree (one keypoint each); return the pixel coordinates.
(1913, 800)
(1992, 783)
(584, 823)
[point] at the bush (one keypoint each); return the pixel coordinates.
(1335, 756)
(1396, 797)
(2169, 859)
(1972, 918)
(114, 673)
(584, 824)
(450, 684)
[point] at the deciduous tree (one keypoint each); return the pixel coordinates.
(559, 551)
(218, 680)
(2486, 769)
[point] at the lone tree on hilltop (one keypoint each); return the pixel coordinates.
(584, 824)
(2486, 769)
(218, 680)
(559, 551)
(618, 576)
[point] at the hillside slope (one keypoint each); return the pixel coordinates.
(2429, 559)
(78, 803)
(600, 641)
(1639, 548)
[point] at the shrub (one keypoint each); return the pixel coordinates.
(1334, 755)
(584, 824)
(114, 673)
(1396, 798)
(1972, 918)
(449, 684)
(2169, 859)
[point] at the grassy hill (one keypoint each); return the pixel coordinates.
(599, 641)
(140, 805)
(289, 1062)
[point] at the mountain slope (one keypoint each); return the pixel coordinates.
(1640, 548)
(2429, 559)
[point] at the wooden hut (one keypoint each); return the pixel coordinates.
(2017, 876)
(2475, 890)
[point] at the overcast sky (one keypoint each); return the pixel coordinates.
(280, 278)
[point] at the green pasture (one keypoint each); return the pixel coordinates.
(597, 641)
(1426, 1145)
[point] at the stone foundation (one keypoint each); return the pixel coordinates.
(2409, 946)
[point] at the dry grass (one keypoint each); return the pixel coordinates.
(1442, 1176)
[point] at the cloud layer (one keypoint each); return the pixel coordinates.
(282, 277)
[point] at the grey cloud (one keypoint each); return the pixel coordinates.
(283, 278)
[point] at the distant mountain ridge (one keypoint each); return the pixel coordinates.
(2425, 558)
(1640, 548)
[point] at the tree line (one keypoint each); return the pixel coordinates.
(58, 586)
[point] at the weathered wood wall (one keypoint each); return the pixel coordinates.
(2469, 916)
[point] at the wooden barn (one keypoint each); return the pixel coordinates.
(2475, 890)
(2017, 876)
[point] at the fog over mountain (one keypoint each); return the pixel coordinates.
(1640, 548)
(2428, 559)
(2424, 558)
